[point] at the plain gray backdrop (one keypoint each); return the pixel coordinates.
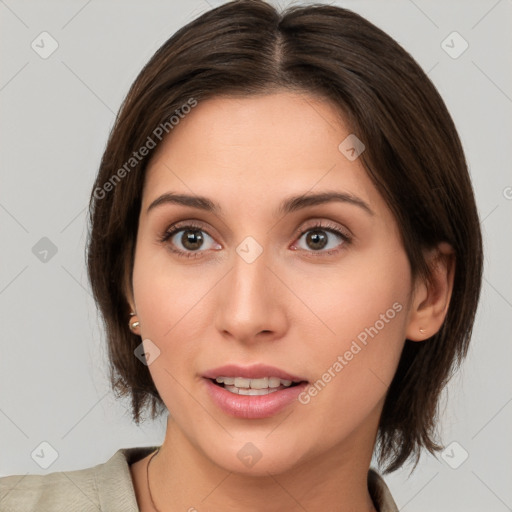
(56, 113)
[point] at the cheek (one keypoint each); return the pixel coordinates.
(169, 306)
(166, 293)
(363, 308)
(370, 332)
(174, 305)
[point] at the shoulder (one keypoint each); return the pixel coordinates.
(380, 493)
(106, 486)
(49, 492)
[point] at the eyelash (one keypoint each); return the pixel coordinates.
(331, 228)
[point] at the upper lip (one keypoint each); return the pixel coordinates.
(255, 371)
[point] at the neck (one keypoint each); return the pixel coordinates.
(183, 478)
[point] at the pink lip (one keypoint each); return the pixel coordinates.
(252, 407)
(256, 371)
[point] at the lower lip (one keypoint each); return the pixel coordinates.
(250, 406)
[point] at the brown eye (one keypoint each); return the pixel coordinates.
(192, 239)
(190, 243)
(322, 239)
(316, 239)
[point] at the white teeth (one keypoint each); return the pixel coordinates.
(253, 392)
(274, 382)
(240, 382)
(259, 383)
(263, 383)
(226, 380)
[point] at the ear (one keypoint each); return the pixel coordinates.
(431, 297)
(128, 290)
(133, 321)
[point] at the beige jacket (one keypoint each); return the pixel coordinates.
(108, 487)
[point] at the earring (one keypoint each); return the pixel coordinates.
(133, 325)
(423, 331)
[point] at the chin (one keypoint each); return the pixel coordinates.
(254, 458)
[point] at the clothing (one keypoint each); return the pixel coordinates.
(108, 487)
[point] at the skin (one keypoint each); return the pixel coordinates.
(294, 309)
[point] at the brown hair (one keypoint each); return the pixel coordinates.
(413, 155)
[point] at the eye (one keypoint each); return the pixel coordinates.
(190, 241)
(323, 238)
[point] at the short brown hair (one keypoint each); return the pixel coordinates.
(413, 156)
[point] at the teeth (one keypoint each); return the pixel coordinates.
(274, 382)
(246, 391)
(242, 383)
(259, 383)
(225, 380)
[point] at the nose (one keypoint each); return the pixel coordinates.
(251, 302)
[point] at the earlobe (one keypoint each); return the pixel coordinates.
(432, 296)
(134, 324)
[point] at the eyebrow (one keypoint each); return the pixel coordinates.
(289, 205)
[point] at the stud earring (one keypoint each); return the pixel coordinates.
(133, 325)
(423, 331)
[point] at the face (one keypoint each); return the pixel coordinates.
(317, 291)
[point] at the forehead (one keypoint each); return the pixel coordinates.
(256, 149)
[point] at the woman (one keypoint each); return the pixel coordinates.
(287, 256)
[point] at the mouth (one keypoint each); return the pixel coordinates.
(254, 387)
(252, 392)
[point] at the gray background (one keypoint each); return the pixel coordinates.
(55, 118)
